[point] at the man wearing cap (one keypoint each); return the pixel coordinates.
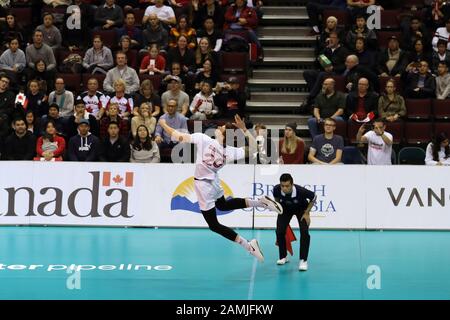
(79, 114)
(229, 99)
(175, 93)
(393, 60)
(84, 146)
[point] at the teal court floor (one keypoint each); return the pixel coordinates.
(188, 264)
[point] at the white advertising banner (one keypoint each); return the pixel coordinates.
(111, 194)
(71, 194)
(339, 189)
(408, 197)
(174, 202)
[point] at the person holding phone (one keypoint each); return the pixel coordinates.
(379, 143)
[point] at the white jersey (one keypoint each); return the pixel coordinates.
(163, 13)
(379, 153)
(211, 156)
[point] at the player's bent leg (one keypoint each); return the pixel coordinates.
(230, 204)
(214, 225)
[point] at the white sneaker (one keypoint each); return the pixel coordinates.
(272, 205)
(303, 266)
(255, 250)
(283, 261)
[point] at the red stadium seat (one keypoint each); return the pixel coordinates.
(396, 129)
(417, 3)
(340, 83)
(342, 16)
(352, 130)
(234, 62)
(24, 15)
(441, 127)
(441, 109)
(109, 38)
(155, 79)
(72, 82)
(341, 129)
(418, 108)
(383, 37)
(418, 132)
(138, 15)
(389, 19)
(398, 84)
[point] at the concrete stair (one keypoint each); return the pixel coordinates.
(282, 15)
(275, 35)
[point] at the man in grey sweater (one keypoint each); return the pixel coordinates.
(39, 50)
(122, 71)
(13, 61)
(52, 35)
(63, 98)
(443, 82)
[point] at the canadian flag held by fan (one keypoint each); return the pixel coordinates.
(22, 100)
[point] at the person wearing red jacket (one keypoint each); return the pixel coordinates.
(50, 146)
(240, 17)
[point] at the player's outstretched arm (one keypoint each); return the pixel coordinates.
(240, 124)
(176, 135)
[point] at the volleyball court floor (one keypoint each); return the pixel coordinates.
(184, 264)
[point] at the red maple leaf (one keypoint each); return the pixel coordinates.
(117, 179)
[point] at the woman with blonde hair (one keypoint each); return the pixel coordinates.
(204, 52)
(144, 118)
(291, 147)
(124, 101)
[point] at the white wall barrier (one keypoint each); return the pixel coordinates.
(106, 194)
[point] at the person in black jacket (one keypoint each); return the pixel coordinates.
(362, 103)
(392, 53)
(421, 85)
(7, 98)
(84, 146)
(337, 54)
(21, 144)
(230, 100)
(108, 16)
(114, 148)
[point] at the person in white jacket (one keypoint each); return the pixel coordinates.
(442, 33)
(438, 151)
(202, 106)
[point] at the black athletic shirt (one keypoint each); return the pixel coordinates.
(293, 203)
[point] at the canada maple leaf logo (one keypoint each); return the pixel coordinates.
(117, 179)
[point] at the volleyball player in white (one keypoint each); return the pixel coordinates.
(212, 155)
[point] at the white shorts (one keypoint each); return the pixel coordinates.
(208, 191)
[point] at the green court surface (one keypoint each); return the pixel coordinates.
(197, 264)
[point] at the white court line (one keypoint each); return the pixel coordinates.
(253, 275)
